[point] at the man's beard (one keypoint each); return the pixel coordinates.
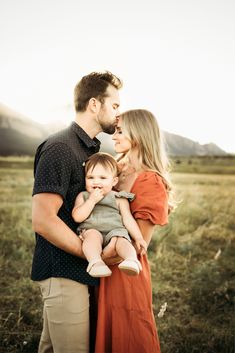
(107, 128)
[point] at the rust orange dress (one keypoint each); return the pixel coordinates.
(125, 317)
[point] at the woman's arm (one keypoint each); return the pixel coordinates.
(146, 228)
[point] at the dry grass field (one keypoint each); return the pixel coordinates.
(192, 260)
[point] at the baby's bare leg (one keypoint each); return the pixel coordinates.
(125, 249)
(92, 244)
(130, 265)
(92, 248)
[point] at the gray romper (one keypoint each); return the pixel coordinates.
(106, 217)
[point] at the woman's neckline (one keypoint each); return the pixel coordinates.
(135, 180)
(141, 173)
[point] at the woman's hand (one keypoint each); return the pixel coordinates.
(140, 246)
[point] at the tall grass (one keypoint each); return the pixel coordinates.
(192, 261)
(19, 299)
(204, 164)
(193, 268)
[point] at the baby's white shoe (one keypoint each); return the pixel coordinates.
(131, 267)
(97, 268)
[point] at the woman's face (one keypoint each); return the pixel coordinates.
(122, 143)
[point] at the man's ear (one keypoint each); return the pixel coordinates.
(115, 181)
(93, 105)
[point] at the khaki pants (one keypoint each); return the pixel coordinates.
(65, 316)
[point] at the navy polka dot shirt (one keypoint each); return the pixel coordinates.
(58, 168)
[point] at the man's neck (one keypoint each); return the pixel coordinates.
(88, 124)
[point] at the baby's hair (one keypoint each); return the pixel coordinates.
(106, 160)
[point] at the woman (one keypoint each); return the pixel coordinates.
(125, 317)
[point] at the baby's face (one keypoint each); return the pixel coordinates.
(100, 177)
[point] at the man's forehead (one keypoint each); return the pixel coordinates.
(113, 93)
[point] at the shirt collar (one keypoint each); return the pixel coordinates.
(89, 142)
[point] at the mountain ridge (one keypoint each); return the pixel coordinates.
(20, 135)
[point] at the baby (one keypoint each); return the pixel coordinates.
(105, 218)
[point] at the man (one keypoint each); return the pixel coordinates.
(58, 263)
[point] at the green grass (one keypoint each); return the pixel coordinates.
(204, 164)
(199, 289)
(19, 299)
(14, 162)
(191, 164)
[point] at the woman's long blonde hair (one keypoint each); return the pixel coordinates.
(141, 128)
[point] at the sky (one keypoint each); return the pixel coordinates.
(176, 58)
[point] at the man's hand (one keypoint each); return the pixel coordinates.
(109, 254)
(110, 249)
(114, 260)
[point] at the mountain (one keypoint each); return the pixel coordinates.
(20, 135)
(177, 145)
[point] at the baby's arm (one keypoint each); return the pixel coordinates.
(131, 225)
(82, 209)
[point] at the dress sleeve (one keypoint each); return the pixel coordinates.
(151, 199)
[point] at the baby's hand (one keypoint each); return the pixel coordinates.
(96, 195)
(141, 246)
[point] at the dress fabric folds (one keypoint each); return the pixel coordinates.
(126, 322)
